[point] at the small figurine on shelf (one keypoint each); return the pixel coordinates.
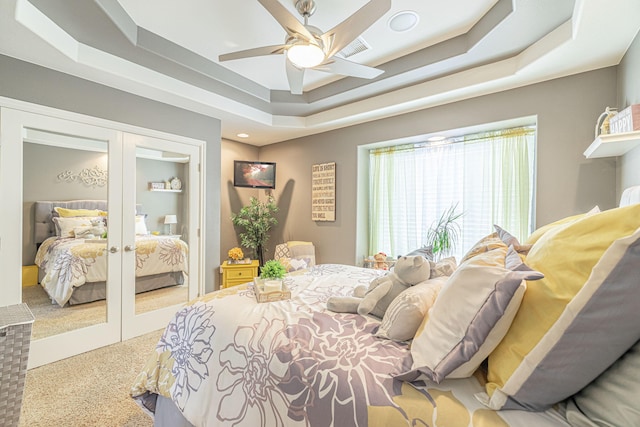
(235, 255)
(380, 261)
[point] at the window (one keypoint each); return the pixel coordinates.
(489, 176)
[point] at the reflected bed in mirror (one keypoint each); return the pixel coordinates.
(71, 289)
(73, 269)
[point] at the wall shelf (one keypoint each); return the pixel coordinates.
(613, 145)
(165, 190)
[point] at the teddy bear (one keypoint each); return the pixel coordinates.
(374, 300)
(380, 261)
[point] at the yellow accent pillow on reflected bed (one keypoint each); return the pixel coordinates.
(71, 213)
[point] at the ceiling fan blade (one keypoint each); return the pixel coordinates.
(291, 25)
(295, 76)
(345, 32)
(257, 51)
(347, 68)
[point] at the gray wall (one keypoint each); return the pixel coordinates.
(629, 94)
(567, 183)
(27, 82)
(232, 198)
(43, 163)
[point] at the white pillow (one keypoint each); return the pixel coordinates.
(65, 226)
(472, 313)
(406, 312)
(141, 225)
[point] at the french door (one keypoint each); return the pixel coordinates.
(36, 150)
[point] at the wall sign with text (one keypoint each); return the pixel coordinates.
(323, 192)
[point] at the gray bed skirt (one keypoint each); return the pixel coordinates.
(168, 415)
(96, 291)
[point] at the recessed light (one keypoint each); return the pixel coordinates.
(403, 21)
(243, 135)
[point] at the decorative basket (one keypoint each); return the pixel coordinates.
(15, 338)
(262, 296)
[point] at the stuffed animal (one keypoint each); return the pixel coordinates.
(408, 271)
(380, 261)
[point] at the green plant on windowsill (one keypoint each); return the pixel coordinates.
(273, 269)
(444, 233)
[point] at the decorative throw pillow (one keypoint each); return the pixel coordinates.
(70, 213)
(487, 243)
(576, 321)
(535, 236)
(470, 316)
(294, 264)
(612, 399)
(141, 225)
(282, 251)
(406, 312)
(303, 250)
(65, 226)
(444, 267)
(425, 251)
(510, 240)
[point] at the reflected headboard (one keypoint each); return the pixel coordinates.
(43, 227)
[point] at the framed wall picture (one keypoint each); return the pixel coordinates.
(323, 192)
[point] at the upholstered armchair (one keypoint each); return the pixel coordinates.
(296, 255)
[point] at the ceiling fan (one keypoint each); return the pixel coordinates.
(306, 46)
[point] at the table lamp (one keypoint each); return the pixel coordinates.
(170, 220)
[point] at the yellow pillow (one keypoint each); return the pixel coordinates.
(486, 244)
(535, 236)
(69, 213)
(297, 243)
(566, 256)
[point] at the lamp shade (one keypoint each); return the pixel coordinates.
(170, 219)
(305, 55)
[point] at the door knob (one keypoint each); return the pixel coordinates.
(129, 248)
(114, 249)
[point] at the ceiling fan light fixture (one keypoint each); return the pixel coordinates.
(305, 55)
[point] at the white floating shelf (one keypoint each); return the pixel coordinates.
(613, 145)
(165, 190)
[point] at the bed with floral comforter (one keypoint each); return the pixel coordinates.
(70, 263)
(226, 360)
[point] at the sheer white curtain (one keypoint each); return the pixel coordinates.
(489, 176)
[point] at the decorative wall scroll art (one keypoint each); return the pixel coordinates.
(323, 192)
(93, 177)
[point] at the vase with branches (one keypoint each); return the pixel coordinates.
(256, 219)
(445, 232)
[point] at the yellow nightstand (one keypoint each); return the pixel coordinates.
(29, 275)
(237, 274)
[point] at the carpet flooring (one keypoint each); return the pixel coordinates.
(51, 319)
(91, 389)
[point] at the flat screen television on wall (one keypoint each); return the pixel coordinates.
(254, 174)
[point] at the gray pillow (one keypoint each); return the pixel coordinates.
(425, 251)
(611, 399)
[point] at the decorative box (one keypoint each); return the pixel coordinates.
(157, 186)
(263, 296)
(627, 120)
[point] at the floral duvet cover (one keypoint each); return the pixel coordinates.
(69, 263)
(226, 360)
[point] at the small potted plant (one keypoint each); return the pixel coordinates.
(444, 233)
(272, 273)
